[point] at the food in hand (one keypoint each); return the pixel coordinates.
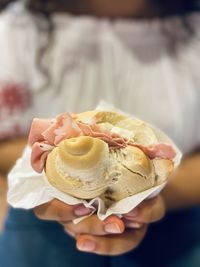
(99, 154)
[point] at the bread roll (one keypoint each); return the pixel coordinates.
(87, 167)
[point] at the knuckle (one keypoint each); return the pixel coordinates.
(38, 213)
(92, 226)
(63, 214)
(76, 229)
(83, 228)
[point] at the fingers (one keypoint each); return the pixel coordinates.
(94, 226)
(70, 233)
(111, 244)
(130, 223)
(59, 211)
(148, 211)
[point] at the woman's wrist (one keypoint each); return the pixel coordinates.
(183, 188)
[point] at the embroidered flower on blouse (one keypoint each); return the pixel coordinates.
(14, 97)
(15, 100)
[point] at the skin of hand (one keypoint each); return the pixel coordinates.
(131, 228)
(10, 151)
(114, 235)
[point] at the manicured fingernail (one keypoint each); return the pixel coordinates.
(112, 228)
(132, 213)
(133, 225)
(81, 211)
(86, 245)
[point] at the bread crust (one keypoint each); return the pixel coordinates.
(85, 167)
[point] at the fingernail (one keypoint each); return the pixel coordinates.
(132, 213)
(81, 211)
(86, 245)
(133, 225)
(112, 228)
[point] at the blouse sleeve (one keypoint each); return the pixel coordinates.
(15, 96)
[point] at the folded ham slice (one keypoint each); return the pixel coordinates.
(45, 134)
(37, 128)
(40, 151)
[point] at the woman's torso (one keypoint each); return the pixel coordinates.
(147, 68)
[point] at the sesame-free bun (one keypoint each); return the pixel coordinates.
(86, 167)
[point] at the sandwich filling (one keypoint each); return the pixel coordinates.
(47, 134)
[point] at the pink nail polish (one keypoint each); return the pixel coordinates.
(133, 225)
(82, 210)
(86, 245)
(112, 228)
(132, 213)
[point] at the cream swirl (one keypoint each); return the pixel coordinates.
(78, 166)
(81, 152)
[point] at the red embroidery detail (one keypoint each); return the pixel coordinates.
(14, 97)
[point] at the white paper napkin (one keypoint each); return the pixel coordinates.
(28, 189)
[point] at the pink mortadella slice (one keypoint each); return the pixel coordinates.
(38, 126)
(46, 134)
(161, 150)
(39, 155)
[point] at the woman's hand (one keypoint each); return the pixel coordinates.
(113, 236)
(148, 211)
(107, 237)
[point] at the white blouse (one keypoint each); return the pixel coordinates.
(150, 68)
